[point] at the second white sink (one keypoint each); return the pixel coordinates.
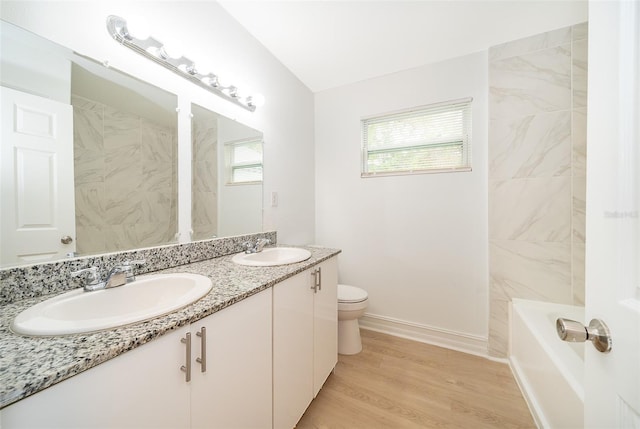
(272, 256)
(78, 311)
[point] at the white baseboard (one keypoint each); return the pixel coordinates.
(465, 343)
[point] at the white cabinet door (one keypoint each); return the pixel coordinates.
(325, 323)
(143, 388)
(305, 340)
(292, 350)
(235, 389)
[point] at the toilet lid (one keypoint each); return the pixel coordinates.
(348, 293)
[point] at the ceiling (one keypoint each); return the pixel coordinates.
(327, 44)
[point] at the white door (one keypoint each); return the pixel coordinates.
(37, 216)
(612, 380)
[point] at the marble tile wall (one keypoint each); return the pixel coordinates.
(537, 173)
(125, 170)
(204, 218)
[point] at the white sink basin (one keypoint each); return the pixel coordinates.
(78, 311)
(272, 256)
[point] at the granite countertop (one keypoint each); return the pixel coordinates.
(31, 364)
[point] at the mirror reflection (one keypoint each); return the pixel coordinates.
(227, 176)
(125, 164)
(92, 168)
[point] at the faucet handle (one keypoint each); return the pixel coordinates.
(91, 275)
(260, 243)
(127, 268)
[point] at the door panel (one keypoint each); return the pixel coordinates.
(37, 196)
(612, 380)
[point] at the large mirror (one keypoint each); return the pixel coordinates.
(227, 176)
(89, 159)
(125, 162)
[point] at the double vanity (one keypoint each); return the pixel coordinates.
(253, 351)
(201, 338)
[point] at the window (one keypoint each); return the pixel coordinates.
(244, 161)
(429, 139)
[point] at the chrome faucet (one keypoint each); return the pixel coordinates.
(256, 247)
(117, 276)
(127, 268)
(91, 278)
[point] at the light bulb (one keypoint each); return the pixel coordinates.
(187, 68)
(223, 82)
(211, 79)
(232, 91)
(256, 100)
(171, 50)
(243, 90)
(138, 28)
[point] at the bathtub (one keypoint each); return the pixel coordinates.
(550, 372)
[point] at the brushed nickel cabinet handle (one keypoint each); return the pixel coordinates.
(187, 368)
(319, 278)
(202, 360)
(314, 273)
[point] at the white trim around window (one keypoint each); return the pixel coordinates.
(243, 161)
(429, 139)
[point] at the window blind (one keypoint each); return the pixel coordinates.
(432, 138)
(244, 161)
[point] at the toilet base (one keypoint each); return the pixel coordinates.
(349, 342)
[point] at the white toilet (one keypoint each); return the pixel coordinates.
(352, 302)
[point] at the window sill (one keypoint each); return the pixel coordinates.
(414, 172)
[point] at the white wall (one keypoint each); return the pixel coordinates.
(207, 32)
(416, 243)
(246, 199)
(27, 67)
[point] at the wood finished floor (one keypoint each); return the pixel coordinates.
(398, 383)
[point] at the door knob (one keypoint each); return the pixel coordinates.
(575, 332)
(66, 240)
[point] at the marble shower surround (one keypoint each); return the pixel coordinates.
(204, 218)
(537, 173)
(125, 169)
(37, 280)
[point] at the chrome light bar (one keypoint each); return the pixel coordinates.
(154, 50)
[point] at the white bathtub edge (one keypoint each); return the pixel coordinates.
(538, 370)
(525, 388)
(563, 366)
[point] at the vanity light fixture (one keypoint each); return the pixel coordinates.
(156, 51)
